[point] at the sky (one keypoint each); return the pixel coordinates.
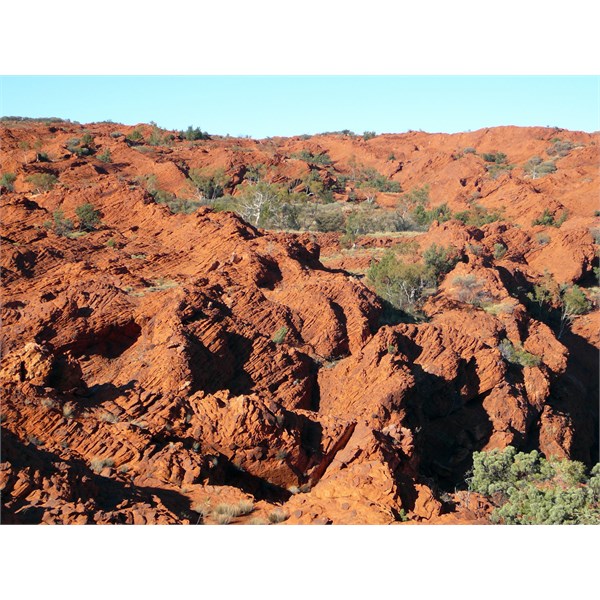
(262, 106)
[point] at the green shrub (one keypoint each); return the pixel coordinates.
(135, 136)
(368, 135)
(42, 182)
(317, 159)
(517, 355)
(477, 216)
(499, 251)
(60, 224)
(279, 335)
(81, 146)
(546, 218)
(470, 290)
(194, 133)
(560, 148)
(528, 489)
(7, 180)
(535, 167)
(105, 156)
(88, 216)
(370, 178)
(208, 187)
(494, 157)
(440, 260)
(402, 285)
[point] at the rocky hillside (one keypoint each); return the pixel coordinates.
(195, 331)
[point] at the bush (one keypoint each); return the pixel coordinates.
(560, 148)
(528, 489)
(368, 135)
(60, 225)
(470, 290)
(317, 159)
(88, 216)
(279, 335)
(208, 187)
(477, 216)
(194, 133)
(494, 157)
(42, 182)
(81, 146)
(105, 156)
(499, 251)
(517, 355)
(7, 180)
(535, 167)
(135, 136)
(402, 285)
(370, 178)
(440, 260)
(546, 218)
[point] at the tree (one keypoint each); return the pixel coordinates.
(574, 302)
(88, 216)
(208, 187)
(257, 202)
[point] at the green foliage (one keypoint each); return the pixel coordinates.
(209, 187)
(194, 133)
(42, 182)
(111, 243)
(60, 224)
(499, 251)
(575, 301)
(135, 136)
(279, 335)
(370, 178)
(494, 157)
(368, 135)
(160, 137)
(7, 180)
(105, 156)
(470, 289)
(517, 355)
(88, 216)
(560, 148)
(469, 150)
(477, 215)
(424, 217)
(535, 167)
(316, 159)
(440, 260)
(546, 218)
(402, 285)
(83, 146)
(528, 489)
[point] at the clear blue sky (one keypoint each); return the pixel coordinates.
(262, 106)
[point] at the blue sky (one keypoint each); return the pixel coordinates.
(262, 106)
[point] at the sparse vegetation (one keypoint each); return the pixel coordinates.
(471, 290)
(105, 156)
(277, 516)
(535, 167)
(499, 251)
(88, 216)
(279, 335)
(42, 182)
(99, 464)
(6, 182)
(59, 224)
(560, 148)
(528, 489)
(320, 158)
(517, 355)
